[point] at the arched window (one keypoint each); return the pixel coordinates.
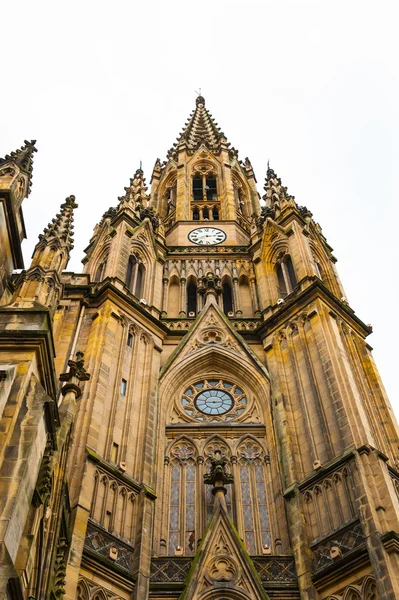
(131, 272)
(285, 276)
(196, 214)
(197, 189)
(191, 297)
(205, 213)
(211, 189)
(253, 503)
(227, 297)
(100, 271)
(135, 277)
(215, 214)
(182, 499)
(138, 289)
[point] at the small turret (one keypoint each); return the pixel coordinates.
(135, 197)
(15, 182)
(52, 252)
(41, 282)
(16, 171)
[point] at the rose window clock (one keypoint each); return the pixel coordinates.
(207, 236)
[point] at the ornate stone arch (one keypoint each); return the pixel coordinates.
(98, 593)
(83, 590)
(179, 443)
(369, 588)
(213, 360)
(351, 593)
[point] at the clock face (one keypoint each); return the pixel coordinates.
(214, 402)
(207, 236)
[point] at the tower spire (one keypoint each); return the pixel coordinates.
(200, 128)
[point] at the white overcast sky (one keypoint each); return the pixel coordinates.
(310, 85)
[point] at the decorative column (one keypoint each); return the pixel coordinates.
(254, 296)
(165, 282)
(183, 297)
(236, 297)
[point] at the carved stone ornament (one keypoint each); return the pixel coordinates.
(222, 569)
(183, 451)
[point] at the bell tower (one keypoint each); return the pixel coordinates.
(233, 439)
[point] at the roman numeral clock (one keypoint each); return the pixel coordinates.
(207, 236)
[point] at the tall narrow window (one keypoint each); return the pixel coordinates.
(100, 271)
(123, 387)
(253, 497)
(114, 452)
(285, 276)
(130, 339)
(227, 298)
(282, 288)
(190, 509)
(182, 499)
(197, 189)
(131, 272)
(247, 508)
(215, 214)
(211, 190)
(139, 285)
(174, 510)
(291, 272)
(196, 214)
(205, 213)
(191, 298)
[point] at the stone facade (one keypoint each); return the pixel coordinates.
(226, 434)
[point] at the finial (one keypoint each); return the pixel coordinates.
(200, 99)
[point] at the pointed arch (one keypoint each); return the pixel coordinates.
(82, 590)
(99, 594)
(369, 588)
(351, 593)
(286, 278)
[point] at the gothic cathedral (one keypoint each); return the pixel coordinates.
(197, 415)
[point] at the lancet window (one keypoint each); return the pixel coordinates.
(227, 298)
(191, 298)
(135, 276)
(252, 489)
(182, 498)
(285, 276)
(100, 272)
